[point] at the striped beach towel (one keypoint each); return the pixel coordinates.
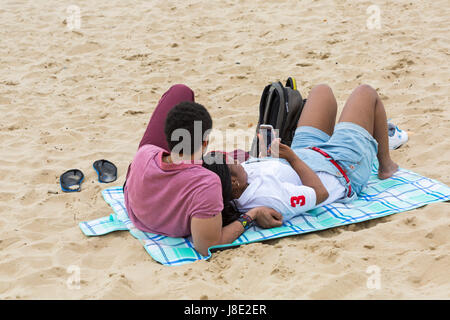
(404, 191)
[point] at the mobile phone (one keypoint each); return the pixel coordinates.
(267, 133)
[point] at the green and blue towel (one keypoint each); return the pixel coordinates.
(404, 191)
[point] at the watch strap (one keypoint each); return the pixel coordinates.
(246, 221)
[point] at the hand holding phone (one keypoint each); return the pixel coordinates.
(266, 135)
(280, 150)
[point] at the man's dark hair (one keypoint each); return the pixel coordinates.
(186, 115)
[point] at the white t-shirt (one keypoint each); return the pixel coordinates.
(275, 184)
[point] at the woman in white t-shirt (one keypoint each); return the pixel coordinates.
(325, 163)
(274, 183)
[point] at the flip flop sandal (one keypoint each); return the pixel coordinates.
(106, 170)
(71, 180)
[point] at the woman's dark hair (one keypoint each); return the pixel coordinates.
(216, 162)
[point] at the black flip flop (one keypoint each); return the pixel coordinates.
(106, 170)
(71, 180)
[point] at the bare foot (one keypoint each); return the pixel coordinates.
(387, 170)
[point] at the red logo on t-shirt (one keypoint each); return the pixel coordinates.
(300, 200)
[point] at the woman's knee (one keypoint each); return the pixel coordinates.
(323, 89)
(326, 95)
(366, 90)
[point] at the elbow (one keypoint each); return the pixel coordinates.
(321, 195)
(203, 251)
(203, 247)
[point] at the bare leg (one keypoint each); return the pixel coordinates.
(320, 109)
(364, 107)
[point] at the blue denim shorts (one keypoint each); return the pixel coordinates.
(352, 146)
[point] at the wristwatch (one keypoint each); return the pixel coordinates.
(246, 221)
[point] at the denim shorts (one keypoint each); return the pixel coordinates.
(352, 146)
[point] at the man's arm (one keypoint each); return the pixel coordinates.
(208, 232)
(309, 177)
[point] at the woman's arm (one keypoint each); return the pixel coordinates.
(309, 177)
(208, 232)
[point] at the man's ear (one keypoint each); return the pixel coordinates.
(204, 145)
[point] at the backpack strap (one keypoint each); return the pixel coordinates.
(254, 151)
(296, 104)
(262, 105)
(276, 89)
(291, 83)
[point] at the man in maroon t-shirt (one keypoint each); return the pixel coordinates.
(169, 192)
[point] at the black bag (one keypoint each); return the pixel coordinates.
(281, 107)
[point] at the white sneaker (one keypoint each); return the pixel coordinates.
(396, 136)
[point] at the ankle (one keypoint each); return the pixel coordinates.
(386, 162)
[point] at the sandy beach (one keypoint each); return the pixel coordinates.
(75, 91)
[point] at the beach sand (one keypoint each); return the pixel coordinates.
(70, 96)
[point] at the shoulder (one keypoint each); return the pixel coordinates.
(206, 184)
(204, 177)
(146, 153)
(148, 149)
(206, 190)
